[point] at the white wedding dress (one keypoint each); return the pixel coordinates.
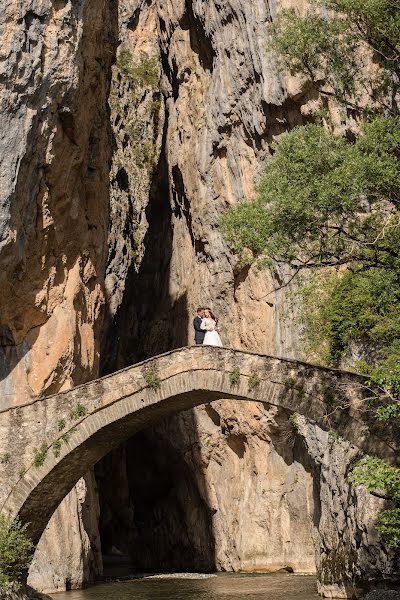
(212, 337)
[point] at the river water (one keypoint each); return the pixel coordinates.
(275, 586)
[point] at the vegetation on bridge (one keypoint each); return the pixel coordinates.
(328, 204)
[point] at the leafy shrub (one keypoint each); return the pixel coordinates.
(388, 523)
(377, 476)
(381, 480)
(145, 72)
(124, 61)
(16, 552)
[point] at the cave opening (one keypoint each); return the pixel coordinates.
(153, 517)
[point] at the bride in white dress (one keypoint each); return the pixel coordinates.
(209, 325)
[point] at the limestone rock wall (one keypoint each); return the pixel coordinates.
(350, 555)
(55, 149)
(69, 552)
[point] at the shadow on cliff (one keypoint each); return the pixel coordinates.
(154, 513)
(291, 448)
(148, 321)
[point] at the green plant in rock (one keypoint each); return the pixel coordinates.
(125, 61)
(40, 455)
(5, 458)
(61, 424)
(300, 391)
(153, 380)
(334, 436)
(328, 395)
(21, 472)
(293, 421)
(234, 376)
(155, 106)
(16, 552)
(144, 72)
(78, 412)
(388, 523)
(254, 381)
(67, 435)
(383, 481)
(143, 148)
(57, 448)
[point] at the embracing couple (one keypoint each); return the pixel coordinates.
(206, 328)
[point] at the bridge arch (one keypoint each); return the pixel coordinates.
(53, 441)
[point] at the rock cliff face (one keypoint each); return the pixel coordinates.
(115, 172)
(55, 149)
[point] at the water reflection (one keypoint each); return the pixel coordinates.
(223, 587)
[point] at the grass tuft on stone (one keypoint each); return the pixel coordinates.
(57, 448)
(234, 376)
(78, 412)
(5, 458)
(153, 380)
(254, 381)
(40, 455)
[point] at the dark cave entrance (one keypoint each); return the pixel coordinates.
(153, 516)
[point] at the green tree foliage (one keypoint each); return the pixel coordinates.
(324, 201)
(333, 42)
(16, 552)
(383, 481)
(361, 307)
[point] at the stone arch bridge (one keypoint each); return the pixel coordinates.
(48, 444)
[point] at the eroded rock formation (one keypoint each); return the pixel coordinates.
(55, 148)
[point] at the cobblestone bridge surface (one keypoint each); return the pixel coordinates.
(47, 445)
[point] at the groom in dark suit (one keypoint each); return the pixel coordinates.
(199, 333)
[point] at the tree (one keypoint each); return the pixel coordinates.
(16, 552)
(334, 44)
(324, 201)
